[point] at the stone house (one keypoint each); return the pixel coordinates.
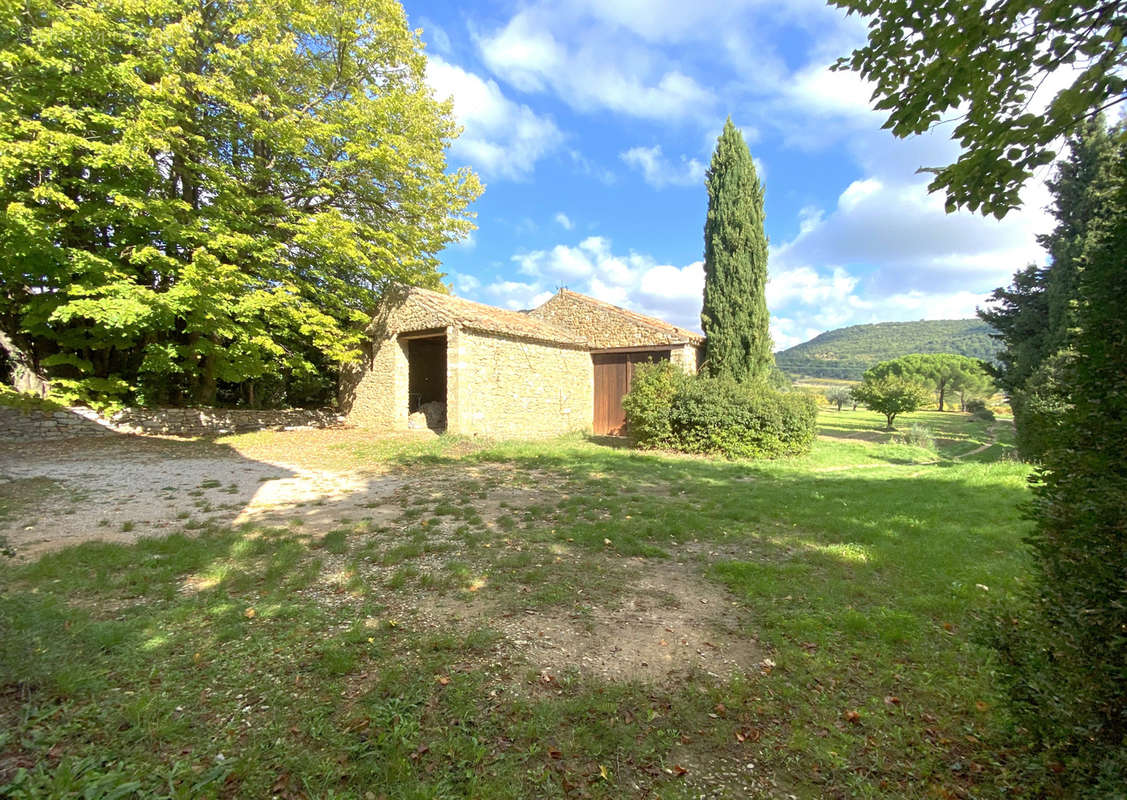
(473, 369)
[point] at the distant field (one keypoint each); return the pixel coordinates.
(334, 614)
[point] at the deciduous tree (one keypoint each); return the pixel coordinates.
(890, 395)
(206, 195)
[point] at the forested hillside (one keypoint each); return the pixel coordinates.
(848, 352)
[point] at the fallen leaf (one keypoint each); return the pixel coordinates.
(852, 717)
(603, 773)
(891, 700)
(981, 706)
(554, 754)
(678, 770)
(249, 613)
(442, 679)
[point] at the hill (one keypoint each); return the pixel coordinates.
(848, 352)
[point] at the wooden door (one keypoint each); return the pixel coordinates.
(613, 375)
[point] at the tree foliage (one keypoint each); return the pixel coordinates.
(207, 197)
(846, 353)
(1066, 658)
(942, 372)
(839, 396)
(990, 63)
(890, 395)
(734, 315)
(1035, 315)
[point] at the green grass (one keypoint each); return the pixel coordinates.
(257, 662)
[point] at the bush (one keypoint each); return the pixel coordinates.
(919, 436)
(719, 416)
(648, 402)
(984, 414)
(975, 404)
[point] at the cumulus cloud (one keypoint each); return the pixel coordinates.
(658, 171)
(591, 72)
(564, 221)
(501, 138)
(633, 280)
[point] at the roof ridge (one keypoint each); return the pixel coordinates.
(645, 319)
(494, 318)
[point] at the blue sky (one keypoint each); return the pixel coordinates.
(591, 123)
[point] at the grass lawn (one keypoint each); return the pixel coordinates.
(504, 634)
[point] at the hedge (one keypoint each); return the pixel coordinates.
(717, 416)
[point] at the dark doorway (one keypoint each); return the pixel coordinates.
(614, 372)
(426, 379)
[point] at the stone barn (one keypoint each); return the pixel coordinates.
(450, 364)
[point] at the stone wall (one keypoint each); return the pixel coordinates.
(375, 395)
(19, 425)
(503, 387)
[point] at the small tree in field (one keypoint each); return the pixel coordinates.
(839, 396)
(891, 395)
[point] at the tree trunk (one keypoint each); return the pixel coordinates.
(25, 376)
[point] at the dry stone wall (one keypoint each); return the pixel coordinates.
(22, 425)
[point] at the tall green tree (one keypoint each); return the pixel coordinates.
(734, 316)
(1066, 658)
(197, 197)
(984, 64)
(1036, 313)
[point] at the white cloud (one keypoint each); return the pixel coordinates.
(500, 138)
(632, 280)
(435, 35)
(516, 295)
(659, 171)
(595, 70)
(564, 221)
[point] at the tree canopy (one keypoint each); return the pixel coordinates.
(198, 198)
(985, 64)
(891, 395)
(942, 372)
(1036, 314)
(734, 315)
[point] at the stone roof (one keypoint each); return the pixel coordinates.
(421, 309)
(658, 325)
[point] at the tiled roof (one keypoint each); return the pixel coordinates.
(450, 310)
(641, 319)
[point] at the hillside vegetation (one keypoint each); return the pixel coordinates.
(847, 352)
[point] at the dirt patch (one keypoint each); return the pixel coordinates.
(667, 622)
(128, 487)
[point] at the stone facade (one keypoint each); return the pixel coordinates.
(505, 387)
(21, 425)
(508, 374)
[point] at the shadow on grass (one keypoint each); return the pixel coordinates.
(144, 664)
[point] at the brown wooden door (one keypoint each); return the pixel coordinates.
(613, 375)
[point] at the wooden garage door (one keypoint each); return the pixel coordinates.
(613, 375)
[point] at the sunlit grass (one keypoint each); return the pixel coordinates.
(268, 662)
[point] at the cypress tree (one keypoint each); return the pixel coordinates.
(734, 316)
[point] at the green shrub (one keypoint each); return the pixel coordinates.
(984, 414)
(975, 404)
(720, 416)
(648, 402)
(919, 436)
